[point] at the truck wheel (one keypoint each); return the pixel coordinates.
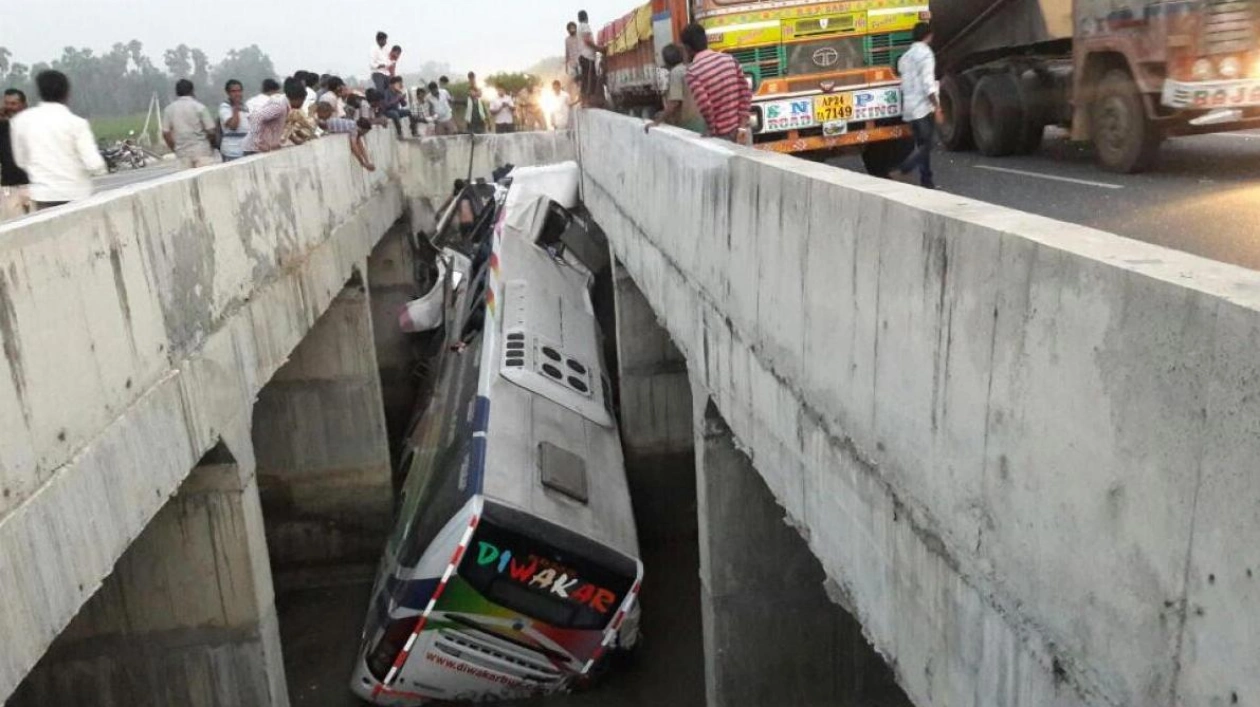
(882, 157)
(955, 129)
(1124, 139)
(996, 120)
(1032, 108)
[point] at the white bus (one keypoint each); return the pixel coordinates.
(514, 567)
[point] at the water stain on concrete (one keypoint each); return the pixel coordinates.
(12, 346)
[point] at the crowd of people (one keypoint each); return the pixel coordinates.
(48, 155)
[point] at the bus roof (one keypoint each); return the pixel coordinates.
(552, 446)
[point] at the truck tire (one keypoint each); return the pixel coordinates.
(996, 118)
(1124, 140)
(1032, 108)
(882, 157)
(955, 129)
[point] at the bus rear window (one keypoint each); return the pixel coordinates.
(544, 579)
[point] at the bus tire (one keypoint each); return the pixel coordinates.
(881, 158)
(996, 118)
(1124, 139)
(955, 128)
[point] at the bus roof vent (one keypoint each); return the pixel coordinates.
(563, 471)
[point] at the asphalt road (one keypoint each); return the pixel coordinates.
(1203, 197)
(127, 177)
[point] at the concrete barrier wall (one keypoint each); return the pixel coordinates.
(138, 327)
(1024, 451)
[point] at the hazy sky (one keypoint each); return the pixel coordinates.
(319, 35)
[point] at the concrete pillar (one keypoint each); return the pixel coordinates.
(188, 616)
(771, 635)
(655, 389)
(655, 416)
(391, 285)
(323, 455)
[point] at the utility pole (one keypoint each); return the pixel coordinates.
(154, 113)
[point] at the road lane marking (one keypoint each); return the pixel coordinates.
(1236, 136)
(1053, 177)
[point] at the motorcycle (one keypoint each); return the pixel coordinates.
(113, 156)
(134, 154)
(124, 153)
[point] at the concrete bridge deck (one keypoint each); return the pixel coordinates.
(1023, 453)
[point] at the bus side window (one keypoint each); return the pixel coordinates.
(437, 488)
(440, 500)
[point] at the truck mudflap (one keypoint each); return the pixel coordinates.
(1241, 93)
(793, 142)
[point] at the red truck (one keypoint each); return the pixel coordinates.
(1122, 74)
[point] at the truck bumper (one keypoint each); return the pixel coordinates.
(1211, 94)
(793, 142)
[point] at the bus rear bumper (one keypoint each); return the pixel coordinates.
(855, 139)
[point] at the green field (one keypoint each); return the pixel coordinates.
(118, 127)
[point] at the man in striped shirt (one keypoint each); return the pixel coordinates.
(356, 129)
(266, 125)
(721, 91)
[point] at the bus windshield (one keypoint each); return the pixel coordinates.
(547, 573)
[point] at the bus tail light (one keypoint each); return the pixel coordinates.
(392, 642)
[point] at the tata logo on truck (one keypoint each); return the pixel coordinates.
(826, 57)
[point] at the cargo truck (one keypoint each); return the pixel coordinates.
(1122, 74)
(822, 73)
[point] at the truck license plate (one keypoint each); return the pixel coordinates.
(832, 107)
(867, 104)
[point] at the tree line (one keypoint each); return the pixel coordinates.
(122, 80)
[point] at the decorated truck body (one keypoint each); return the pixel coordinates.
(823, 73)
(1123, 74)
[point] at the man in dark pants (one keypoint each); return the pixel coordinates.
(382, 65)
(588, 53)
(14, 196)
(921, 105)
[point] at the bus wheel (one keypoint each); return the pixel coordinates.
(1125, 141)
(882, 157)
(955, 129)
(996, 119)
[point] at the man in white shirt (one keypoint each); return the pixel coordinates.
(336, 95)
(920, 103)
(560, 107)
(270, 89)
(54, 146)
(382, 65)
(588, 51)
(503, 109)
(233, 122)
(438, 107)
(310, 79)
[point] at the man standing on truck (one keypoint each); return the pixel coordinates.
(718, 86)
(921, 105)
(588, 53)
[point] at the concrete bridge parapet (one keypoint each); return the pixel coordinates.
(139, 327)
(1023, 451)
